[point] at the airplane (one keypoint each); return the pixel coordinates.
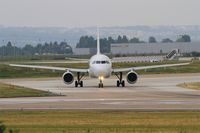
(100, 66)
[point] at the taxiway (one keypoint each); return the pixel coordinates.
(151, 92)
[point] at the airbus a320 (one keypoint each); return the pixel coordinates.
(100, 66)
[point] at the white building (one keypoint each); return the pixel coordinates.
(81, 51)
(154, 48)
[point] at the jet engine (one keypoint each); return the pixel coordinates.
(132, 77)
(68, 78)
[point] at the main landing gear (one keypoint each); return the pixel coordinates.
(120, 81)
(79, 82)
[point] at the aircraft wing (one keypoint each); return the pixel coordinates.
(51, 68)
(147, 67)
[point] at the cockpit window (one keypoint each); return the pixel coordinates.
(103, 62)
(100, 62)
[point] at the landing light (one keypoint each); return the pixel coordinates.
(101, 78)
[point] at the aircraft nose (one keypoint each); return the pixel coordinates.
(101, 72)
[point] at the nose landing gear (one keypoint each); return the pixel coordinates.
(101, 81)
(101, 84)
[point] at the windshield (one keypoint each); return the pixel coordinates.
(101, 62)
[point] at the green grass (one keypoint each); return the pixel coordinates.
(32, 58)
(193, 67)
(193, 85)
(101, 121)
(11, 91)
(15, 72)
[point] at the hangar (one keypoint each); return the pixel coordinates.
(154, 48)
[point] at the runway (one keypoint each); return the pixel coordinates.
(151, 92)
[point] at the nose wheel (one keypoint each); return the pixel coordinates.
(79, 82)
(101, 84)
(120, 82)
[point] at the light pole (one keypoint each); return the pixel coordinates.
(15, 54)
(3, 49)
(14, 49)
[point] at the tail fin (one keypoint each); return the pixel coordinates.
(98, 42)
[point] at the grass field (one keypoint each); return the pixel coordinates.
(11, 91)
(101, 121)
(194, 85)
(14, 72)
(192, 68)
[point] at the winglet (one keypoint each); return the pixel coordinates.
(98, 42)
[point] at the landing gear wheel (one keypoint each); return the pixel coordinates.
(120, 81)
(123, 83)
(76, 83)
(79, 82)
(100, 85)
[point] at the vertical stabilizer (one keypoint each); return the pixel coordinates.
(98, 42)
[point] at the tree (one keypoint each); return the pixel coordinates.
(135, 40)
(2, 127)
(90, 42)
(28, 49)
(39, 48)
(119, 39)
(105, 45)
(167, 40)
(152, 39)
(184, 38)
(111, 40)
(195, 54)
(124, 39)
(86, 42)
(9, 44)
(65, 48)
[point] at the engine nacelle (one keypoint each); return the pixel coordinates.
(68, 78)
(132, 77)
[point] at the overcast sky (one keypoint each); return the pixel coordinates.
(82, 13)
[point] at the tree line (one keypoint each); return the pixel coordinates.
(182, 38)
(84, 42)
(90, 42)
(40, 49)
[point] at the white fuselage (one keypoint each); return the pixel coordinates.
(100, 66)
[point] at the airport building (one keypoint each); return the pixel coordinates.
(143, 48)
(81, 51)
(154, 48)
(84, 51)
